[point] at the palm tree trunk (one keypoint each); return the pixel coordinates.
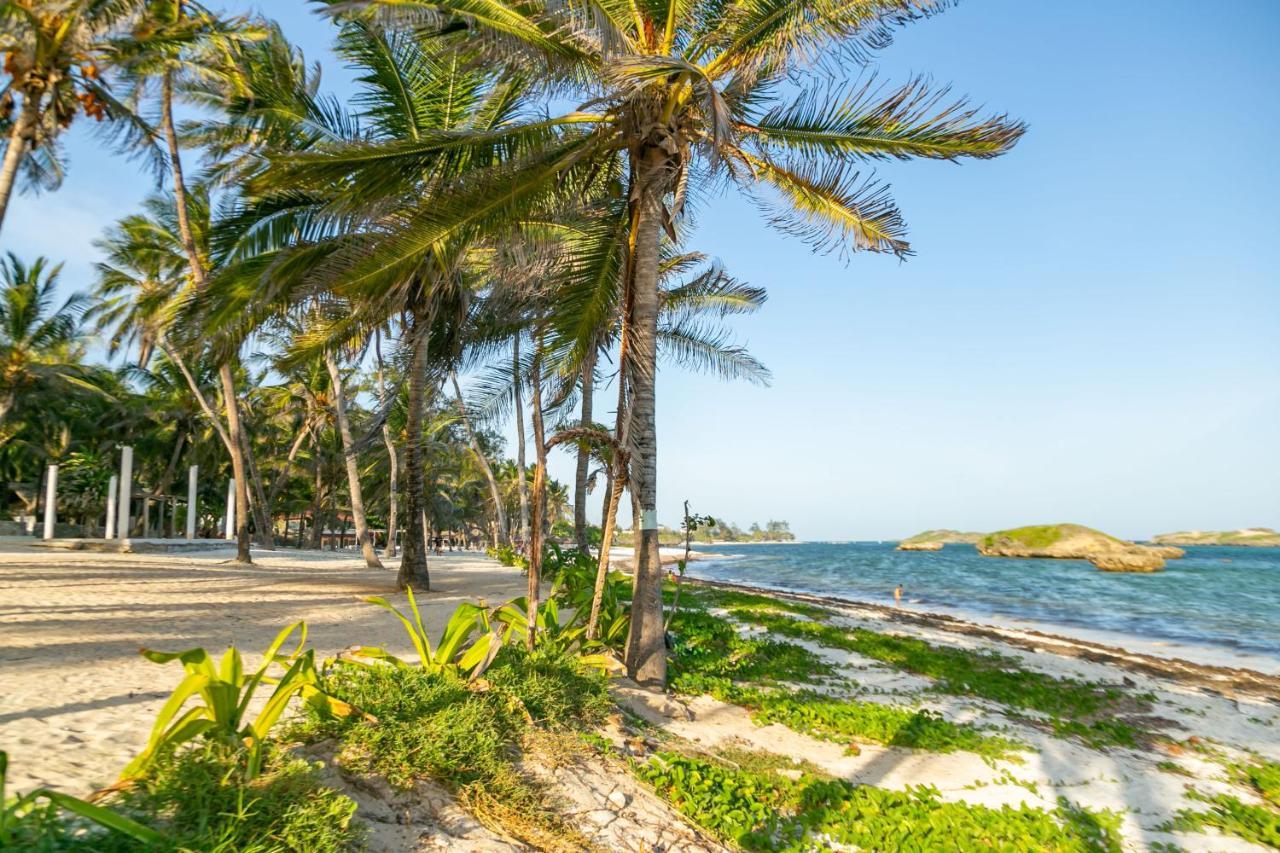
(393, 458)
(317, 495)
(353, 469)
(258, 504)
(584, 456)
(235, 441)
(522, 484)
(539, 492)
(413, 565)
(19, 135)
(7, 399)
(499, 512)
(618, 463)
(646, 644)
(617, 482)
(167, 481)
(283, 477)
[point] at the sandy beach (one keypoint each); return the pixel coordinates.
(78, 700)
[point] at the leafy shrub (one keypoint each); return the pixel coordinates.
(508, 556)
(456, 651)
(225, 692)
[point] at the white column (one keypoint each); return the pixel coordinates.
(51, 501)
(113, 489)
(231, 508)
(126, 492)
(191, 501)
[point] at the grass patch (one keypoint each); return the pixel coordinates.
(465, 736)
(1081, 709)
(760, 809)
(849, 721)
(197, 798)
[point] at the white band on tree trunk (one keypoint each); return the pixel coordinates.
(649, 519)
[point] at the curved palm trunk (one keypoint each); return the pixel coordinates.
(522, 484)
(539, 494)
(263, 531)
(19, 136)
(617, 477)
(393, 459)
(499, 511)
(283, 476)
(353, 469)
(646, 645)
(235, 440)
(413, 566)
(584, 456)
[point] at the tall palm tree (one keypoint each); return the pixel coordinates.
(410, 90)
(55, 65)
(684, 94)
(174, 40)
(41, 341)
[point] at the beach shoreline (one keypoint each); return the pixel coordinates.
(1240, 680)
(80, 701)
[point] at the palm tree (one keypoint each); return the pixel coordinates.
(684, 94)
(55, 57)
(41, 341)
(352, 465)
(410, 90)
(172, 40)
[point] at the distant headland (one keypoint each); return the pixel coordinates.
(1257, 537)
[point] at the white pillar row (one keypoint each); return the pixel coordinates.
(113, 489)
(126, 492)
(191, 501)
(231, 508)
(51, 502)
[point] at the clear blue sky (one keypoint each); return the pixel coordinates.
(1089, 332)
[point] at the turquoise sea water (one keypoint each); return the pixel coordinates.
(1227, 598)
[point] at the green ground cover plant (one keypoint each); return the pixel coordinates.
(710, 596)
(761, 809)
(850, 721)
(1081, 709)
(707, 645)
(1257, 823)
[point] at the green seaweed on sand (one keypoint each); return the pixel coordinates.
(761, 809)
(1083, 709)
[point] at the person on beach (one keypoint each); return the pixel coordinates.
(897, 596)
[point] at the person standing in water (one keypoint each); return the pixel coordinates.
(897, 596)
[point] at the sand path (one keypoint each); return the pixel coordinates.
(76, 699)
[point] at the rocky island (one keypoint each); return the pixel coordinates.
(1257, 537)
(1077, 542)
(933, 540)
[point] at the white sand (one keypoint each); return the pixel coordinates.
(76, 700)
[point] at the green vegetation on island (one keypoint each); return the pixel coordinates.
(1076, 542)
(933, 540)
(1258, 537)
